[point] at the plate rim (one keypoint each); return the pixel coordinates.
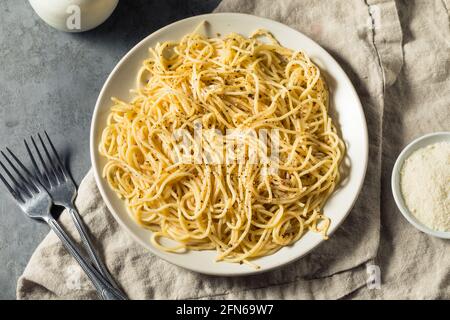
(97, 173)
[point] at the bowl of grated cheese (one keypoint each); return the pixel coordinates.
(421, 184)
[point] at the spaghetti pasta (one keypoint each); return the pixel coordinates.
(242, 209)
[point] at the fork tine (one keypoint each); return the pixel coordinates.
(60, 163)
(33, 161)
(55, 170)
(15, 183)
(9, 174)
(44, 175)
(10, 189)
(31, 181)
(22, 186)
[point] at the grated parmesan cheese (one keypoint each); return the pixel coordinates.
(425, 185)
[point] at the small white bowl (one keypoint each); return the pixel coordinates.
(417, 144)
(83, 14)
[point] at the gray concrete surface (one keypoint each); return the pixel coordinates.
(50, 80)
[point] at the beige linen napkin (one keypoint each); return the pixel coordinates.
(366, 39)
(413, 264)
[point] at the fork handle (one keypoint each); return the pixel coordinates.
(105, 290)
(87, 243)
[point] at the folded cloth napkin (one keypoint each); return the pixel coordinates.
(366, 39)
(413, 264)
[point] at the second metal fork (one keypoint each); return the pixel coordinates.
(33, 199)
(59, 184)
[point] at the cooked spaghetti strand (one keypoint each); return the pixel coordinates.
(245, 209)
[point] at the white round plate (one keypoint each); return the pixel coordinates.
(346, 110)
(415, 145)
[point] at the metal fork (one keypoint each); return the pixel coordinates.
(59, 184)
(34, 200)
